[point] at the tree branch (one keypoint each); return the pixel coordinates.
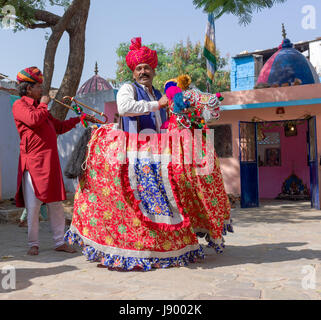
(38, 26)
(46, 16)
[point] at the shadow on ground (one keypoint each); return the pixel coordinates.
(14, 243)
(24, 276)
(277, 212)
(14, 246)
(257, 254)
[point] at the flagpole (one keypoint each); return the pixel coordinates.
(210, 50)
(208, 86)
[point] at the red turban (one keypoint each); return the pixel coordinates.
(32, 74)
(138, 55)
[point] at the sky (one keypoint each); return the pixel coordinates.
(167, 22)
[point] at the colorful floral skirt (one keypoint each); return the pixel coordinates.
(137, 208)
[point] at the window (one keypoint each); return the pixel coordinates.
(223, 140)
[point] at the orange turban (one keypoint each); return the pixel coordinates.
(32, 74)
(138, 55)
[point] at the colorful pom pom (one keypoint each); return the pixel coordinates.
(179, 104)
(219, 96)
(170, 83)
(184, 81)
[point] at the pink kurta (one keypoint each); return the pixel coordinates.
(38, 131)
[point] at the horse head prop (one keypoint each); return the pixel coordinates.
(192, 107)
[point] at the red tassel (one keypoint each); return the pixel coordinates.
(83, 121)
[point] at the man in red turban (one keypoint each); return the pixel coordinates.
(39, 173)
(140, 104)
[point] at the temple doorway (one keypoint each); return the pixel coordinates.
(278, 162)
(284, 171)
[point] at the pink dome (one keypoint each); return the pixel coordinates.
(94, 84)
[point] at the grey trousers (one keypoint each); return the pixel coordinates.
(55, 213)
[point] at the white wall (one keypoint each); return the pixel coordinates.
(9, 149)
(66, 144)
(315, 55)
(67, 141)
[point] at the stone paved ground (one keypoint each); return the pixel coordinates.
(264, 259)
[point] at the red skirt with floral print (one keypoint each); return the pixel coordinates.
(143, 200)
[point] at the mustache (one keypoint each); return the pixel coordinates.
(144, 75)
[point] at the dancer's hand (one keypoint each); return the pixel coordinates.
(45, 100)
(90, 118)
(163, 102)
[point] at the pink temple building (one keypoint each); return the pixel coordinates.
(269, 138)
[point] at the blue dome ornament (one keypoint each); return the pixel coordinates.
(288, 65)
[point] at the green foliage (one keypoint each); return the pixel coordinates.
(182, 59)
(243, 9)
(25, 9)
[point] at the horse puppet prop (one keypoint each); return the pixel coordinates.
(143, 199)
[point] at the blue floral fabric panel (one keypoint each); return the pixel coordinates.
(151, 189)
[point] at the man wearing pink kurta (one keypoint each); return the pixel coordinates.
(39, 174)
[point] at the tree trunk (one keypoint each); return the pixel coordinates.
(77, 32)
(57, 31)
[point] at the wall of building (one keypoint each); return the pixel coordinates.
(243, 73)
(315, 55)
(231, 166)
(237, 98)
(111, 111)
(9, 149)
(249, 100)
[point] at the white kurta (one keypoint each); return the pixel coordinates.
(129, 107)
